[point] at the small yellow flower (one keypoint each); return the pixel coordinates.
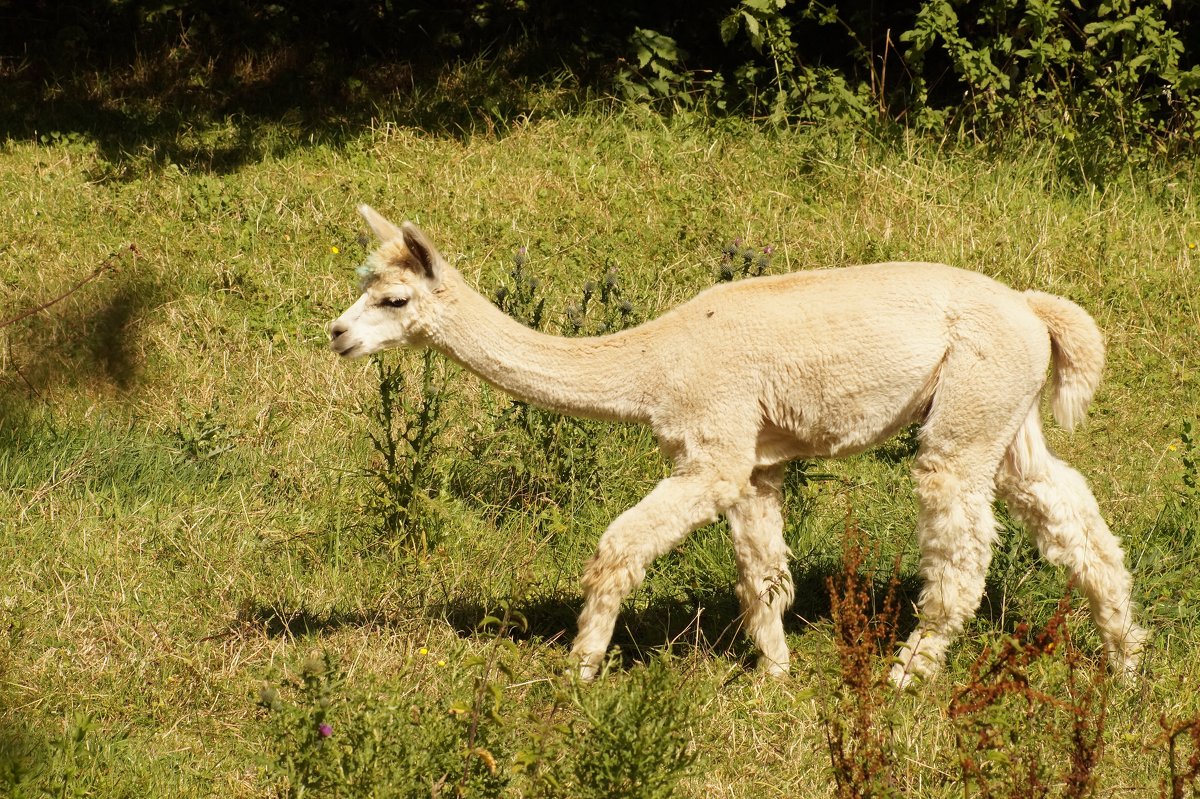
(334, 250)
(1191, 245)
(1171, 448)
(441, 663)
(422, 651)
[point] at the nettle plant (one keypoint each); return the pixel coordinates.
(406, 426)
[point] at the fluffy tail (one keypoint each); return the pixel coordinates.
(1078, 352)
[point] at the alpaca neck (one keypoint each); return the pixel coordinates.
(594, 377)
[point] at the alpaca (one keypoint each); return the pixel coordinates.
(750, 375)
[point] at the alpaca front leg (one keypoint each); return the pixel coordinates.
(764, 585)
(651, 528)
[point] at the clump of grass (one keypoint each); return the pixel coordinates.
(1007, 726)
(856, 718)
(202, 435)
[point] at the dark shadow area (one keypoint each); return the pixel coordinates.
(23, 756)
(91, 340)
(709, 623)
(209, 86)
(292, 623)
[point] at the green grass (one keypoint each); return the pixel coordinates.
(186, 503)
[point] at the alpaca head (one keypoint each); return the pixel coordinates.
(399, 302)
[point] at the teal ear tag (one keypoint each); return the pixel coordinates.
(364, 272)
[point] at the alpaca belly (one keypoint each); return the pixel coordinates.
(822, 423)
(777, 443)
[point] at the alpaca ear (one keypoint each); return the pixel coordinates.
(423, 250)
(382, 228)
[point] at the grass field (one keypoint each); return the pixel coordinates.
(203, 562)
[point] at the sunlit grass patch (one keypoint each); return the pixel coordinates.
(177, 539)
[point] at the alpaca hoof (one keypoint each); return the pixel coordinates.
(1125, 662)
(588, 668)
(901, 678)
(772, 667)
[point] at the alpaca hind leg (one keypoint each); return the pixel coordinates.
(956, 531)
(676, 507)
(1053, 500)
(983, 393)
(764, 585)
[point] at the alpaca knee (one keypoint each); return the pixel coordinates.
(673, 509)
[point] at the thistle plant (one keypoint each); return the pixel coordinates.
(739, 261)
(331, 738)
(542, 459)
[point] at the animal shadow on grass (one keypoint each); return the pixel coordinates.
(706, 622)
(90, 341)
(281, 620)
(703, 622)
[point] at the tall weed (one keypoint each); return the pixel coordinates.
(1183, 757)
(407, 424)
(1029, 724)
(856, 713)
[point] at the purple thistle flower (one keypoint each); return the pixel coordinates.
(324, 730)
(770, 248)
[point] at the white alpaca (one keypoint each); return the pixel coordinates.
(752, 374)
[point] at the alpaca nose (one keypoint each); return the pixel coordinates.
(337, 328)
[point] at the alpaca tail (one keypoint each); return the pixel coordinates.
(1078, 352)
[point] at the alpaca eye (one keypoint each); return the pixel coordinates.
(395, 302)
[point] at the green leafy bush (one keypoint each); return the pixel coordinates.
(1113, 70)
